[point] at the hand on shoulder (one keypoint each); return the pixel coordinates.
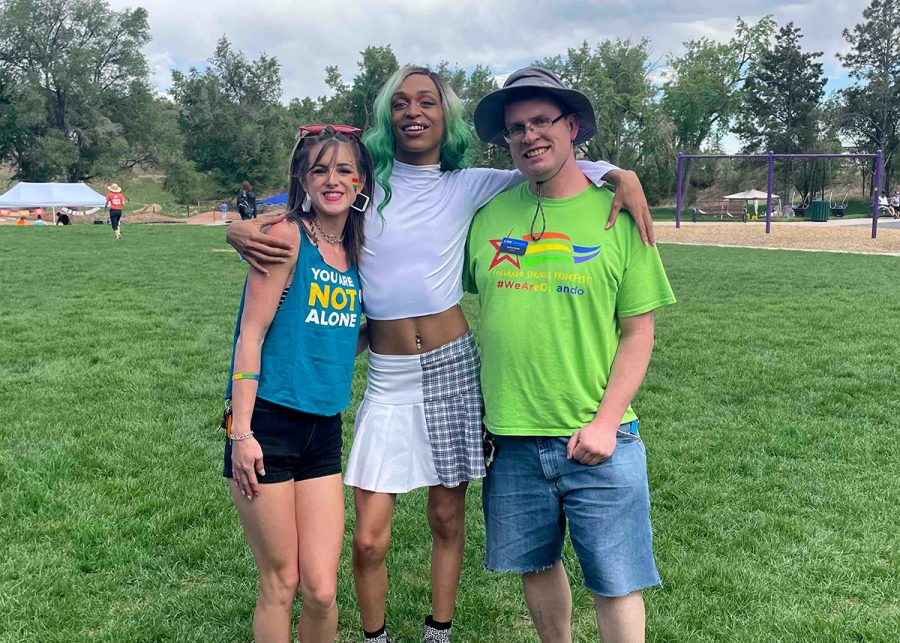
(288, 233)
(259, 249)
(283, 230)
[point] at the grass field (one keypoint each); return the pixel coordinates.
(770, 416)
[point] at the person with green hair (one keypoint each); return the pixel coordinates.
(420, 423)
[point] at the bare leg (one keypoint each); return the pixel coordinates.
(621, 619)
(371, 540)
(447, 519)
(320, 527)
(549, 600)
(271, 531)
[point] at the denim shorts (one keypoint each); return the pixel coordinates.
(532, 491)
(296, 445)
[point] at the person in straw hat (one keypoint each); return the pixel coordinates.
(558, 387)
(114, 201)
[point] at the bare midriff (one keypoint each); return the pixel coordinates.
(416, 335)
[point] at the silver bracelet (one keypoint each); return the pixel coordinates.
(243, 436)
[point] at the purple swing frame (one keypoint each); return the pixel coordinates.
(771, 156)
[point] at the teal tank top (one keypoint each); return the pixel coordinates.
(308, 353)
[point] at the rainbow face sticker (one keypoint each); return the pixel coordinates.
(355, 184)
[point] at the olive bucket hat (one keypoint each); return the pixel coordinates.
(489, 114)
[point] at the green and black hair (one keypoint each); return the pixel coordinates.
(380, 138)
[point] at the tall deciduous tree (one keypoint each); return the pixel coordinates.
(233, 124)
(376, 66)
(479, 84)
(872, 106)
(702, 92)
(73, 67)
(8, 116)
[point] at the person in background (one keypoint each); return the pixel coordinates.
(884, 205)
(21, 220)
(114, 201)
(39, 221)
(246, 201)
(63, 219)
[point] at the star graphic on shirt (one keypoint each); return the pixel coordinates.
(501, 256)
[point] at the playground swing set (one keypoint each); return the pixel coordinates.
(838, 208)
(721, 208)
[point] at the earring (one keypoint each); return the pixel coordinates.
(307, 203)
(365, 204)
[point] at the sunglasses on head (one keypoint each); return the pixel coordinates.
(306, 130)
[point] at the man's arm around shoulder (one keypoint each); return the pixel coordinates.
(258, 248)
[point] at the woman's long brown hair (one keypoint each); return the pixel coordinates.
(301, 164)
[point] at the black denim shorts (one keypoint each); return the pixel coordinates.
(295, 445)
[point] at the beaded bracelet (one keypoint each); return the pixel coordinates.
(245, 376)
(243, 436)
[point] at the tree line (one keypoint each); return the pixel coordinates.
(76, 101)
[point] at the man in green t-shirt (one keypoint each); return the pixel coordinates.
(566, 337)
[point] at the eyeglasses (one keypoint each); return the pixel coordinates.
(305, 130)
(539, 123)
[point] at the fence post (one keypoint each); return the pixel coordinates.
(769, 191)
(876, 192)
(678, 193)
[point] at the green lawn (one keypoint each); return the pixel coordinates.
(769, 414)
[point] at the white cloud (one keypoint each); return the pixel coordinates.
(503, 34)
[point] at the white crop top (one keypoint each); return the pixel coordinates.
(411, 263)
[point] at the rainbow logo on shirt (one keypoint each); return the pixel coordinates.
(553, 247)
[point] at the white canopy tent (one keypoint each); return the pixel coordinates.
(52, 195)
(752, 195)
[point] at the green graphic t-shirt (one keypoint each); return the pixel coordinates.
(549, 317)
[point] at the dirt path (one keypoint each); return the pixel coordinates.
(215, 217)
(832, 236)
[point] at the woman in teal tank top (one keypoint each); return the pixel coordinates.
(297, 333)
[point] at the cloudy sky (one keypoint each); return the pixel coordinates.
(307, 35)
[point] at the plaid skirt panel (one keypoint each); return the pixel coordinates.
(454, 410)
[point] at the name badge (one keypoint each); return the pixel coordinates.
(513, 246)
